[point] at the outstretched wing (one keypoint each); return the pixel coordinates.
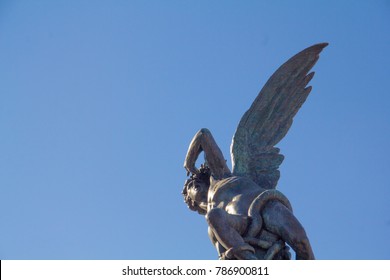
(269, 118)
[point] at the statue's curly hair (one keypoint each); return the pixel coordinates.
(202, 177)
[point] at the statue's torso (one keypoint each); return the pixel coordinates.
(234, 194)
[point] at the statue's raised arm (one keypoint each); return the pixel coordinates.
(247, 217)
(203, 141)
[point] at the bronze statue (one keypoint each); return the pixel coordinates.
(247, 217)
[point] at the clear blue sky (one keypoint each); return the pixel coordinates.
(100, 99)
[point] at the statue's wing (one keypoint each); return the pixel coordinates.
(270, 117)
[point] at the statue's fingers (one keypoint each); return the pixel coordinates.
(191, 169)
(194, 170)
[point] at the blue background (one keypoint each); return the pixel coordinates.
(100, 99)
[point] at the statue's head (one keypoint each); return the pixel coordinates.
(196, 189)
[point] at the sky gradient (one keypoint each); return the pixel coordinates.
(99, 101)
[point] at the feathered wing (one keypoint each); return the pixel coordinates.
(269, 118)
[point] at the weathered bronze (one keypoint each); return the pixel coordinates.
(247, 217)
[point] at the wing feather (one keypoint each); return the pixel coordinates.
(269, 118)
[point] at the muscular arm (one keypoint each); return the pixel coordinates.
(204, 141)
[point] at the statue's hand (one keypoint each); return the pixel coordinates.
(191, 168)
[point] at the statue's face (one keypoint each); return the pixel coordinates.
(198, 192)
(195, 193)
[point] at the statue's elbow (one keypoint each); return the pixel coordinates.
(204, 131)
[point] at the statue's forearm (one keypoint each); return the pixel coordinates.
(204, 141)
